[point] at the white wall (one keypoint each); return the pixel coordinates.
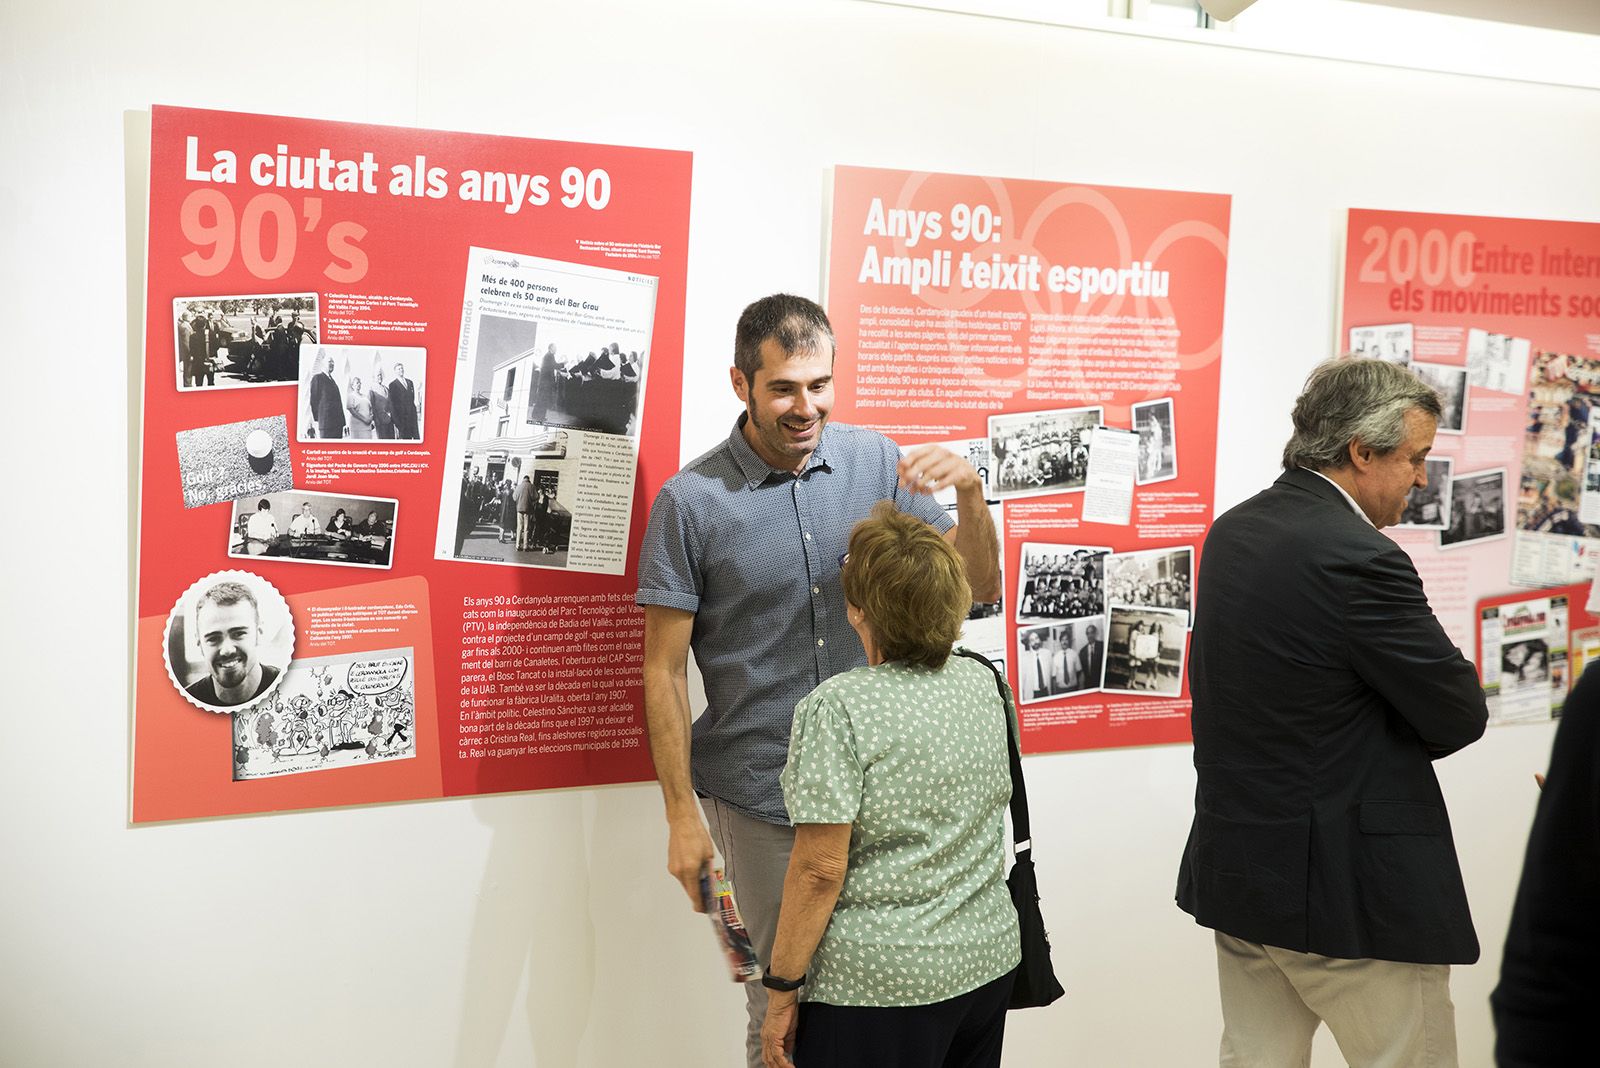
(542, 927)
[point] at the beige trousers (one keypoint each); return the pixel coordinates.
(1383, 1014)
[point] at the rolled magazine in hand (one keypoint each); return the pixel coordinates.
(716, 894)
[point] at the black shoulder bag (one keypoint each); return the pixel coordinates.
(1036, 984)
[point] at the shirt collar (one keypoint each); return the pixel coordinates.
(1348, 499)
(756, 470)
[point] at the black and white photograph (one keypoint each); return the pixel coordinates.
(1035, 453)
(1060, 659)
(1524, 665)
(545, 414)
(976, 452)
(366, 393)
(229, 638)
(1428, 507)
(530, 374)
(231, 461)
(1451, 385)
(1591, 461)
(315, 528)
(235, 342)
(1061, 582)
(1146, 651)
(1497, 361)
(1390, 342)
(1158, 444)
(515, 507)
(330, 712)
(1477, 509)
(1153, 578)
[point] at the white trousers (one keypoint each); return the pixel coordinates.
(1383, 1014)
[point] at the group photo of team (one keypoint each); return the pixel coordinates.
(1061, 582)
(1153, 578)
(361, 393)
(1041, 452)
(229, 342)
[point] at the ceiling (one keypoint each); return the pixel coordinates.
(1577, 16)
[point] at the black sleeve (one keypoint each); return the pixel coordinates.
(1549, 988)
(1398, 647)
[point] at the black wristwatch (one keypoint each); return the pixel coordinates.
(772, 982)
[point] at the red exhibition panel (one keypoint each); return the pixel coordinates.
(1068, 339)
(407, 397)
(1502, 318)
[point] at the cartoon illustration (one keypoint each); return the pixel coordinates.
(328, 713)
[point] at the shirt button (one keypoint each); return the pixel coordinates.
(821, 641)
(816, 589)
(808, 535)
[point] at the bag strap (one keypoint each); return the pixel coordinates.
(1022, 837)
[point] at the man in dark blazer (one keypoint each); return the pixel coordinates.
(1324, 687)
(1090, 658)
(403, 406)
(327, 404)
(185, 340)
(199, 354)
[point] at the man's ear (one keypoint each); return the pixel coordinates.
(741, 388)
(1361, 455)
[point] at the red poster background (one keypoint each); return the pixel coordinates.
(1446, 275)
(999, 338)
(416, 247)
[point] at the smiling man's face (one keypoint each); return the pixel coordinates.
(229, 634)
(788, 403)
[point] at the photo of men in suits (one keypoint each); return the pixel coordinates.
(1324, 688)
(363, 393)
(1059, 659)
(403, 405)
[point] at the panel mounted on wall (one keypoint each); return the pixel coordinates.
(420, 351)
(1068, 339)
(1502, 317)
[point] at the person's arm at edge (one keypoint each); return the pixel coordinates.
(976, 541)
(811, 886)
(666, 710)
(927, 468)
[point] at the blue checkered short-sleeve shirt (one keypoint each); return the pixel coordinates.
(754, 554)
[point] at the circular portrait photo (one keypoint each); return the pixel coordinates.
(229, 639)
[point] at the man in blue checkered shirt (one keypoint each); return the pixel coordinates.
(741, 563)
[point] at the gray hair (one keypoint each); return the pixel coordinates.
(795, 323)
(1350, 399)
